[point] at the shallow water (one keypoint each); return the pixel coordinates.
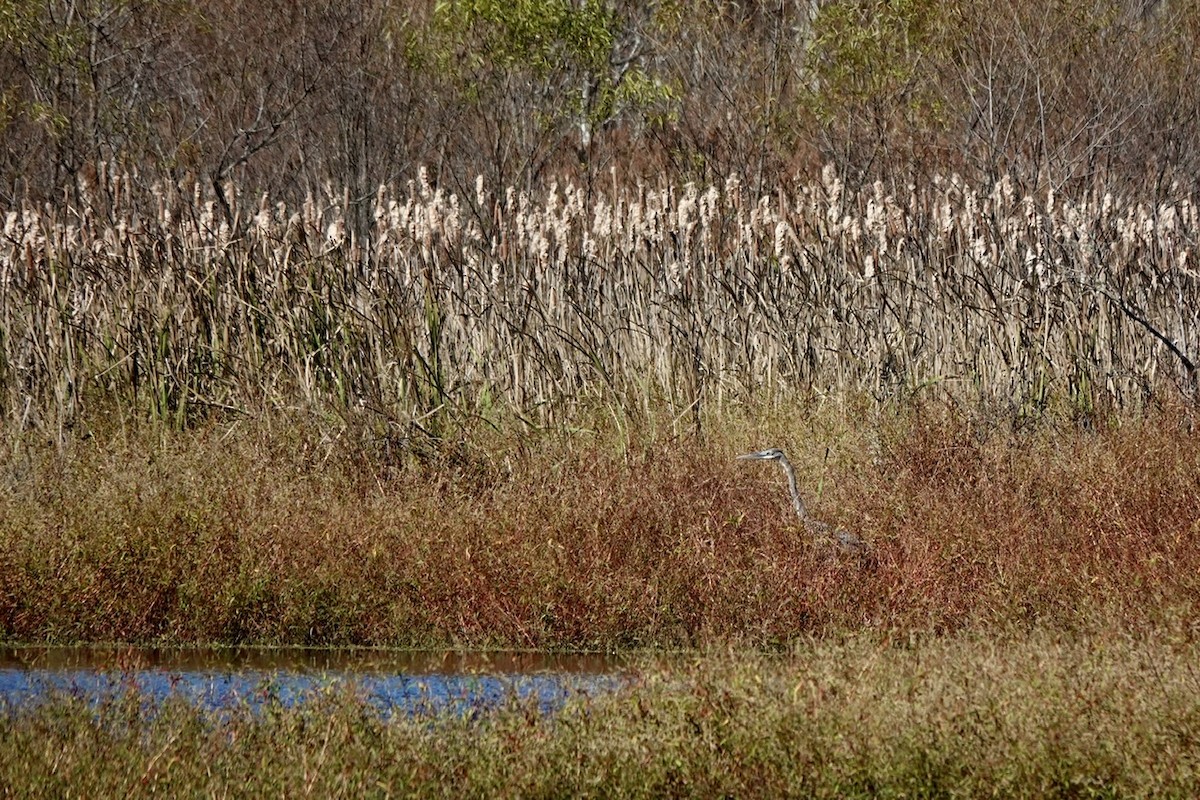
(225, 679)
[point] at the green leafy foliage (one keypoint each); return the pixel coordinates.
(864, 52)
(585, 56)
(541, 35)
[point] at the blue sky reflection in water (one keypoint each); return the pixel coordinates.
(408, 683)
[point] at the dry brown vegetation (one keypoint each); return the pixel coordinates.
(666, 297)
(501, 410)
(265, 379)
(240, 535)
(516, 428)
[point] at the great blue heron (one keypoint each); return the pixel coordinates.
(846, 541)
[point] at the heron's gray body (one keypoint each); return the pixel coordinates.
(844, 539)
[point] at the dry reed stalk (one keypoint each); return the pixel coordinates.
(668, 294)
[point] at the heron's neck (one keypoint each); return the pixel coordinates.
(797, 503)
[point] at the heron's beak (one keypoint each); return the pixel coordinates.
(761, 455)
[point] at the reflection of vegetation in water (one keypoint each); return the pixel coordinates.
(226, 690)
(1015, 714)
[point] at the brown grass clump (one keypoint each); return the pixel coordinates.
(240, 534)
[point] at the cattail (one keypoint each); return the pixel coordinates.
(957, 267)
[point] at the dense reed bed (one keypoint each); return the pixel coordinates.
(681, 297)
(251, 532)
(510, 421)
(1015, 715)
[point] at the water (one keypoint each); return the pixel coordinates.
(224, 679)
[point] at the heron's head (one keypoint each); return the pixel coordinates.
(770, 454)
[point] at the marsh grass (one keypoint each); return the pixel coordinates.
(509, 421)
(687, 298)
(602, 540)
(1011, 714)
